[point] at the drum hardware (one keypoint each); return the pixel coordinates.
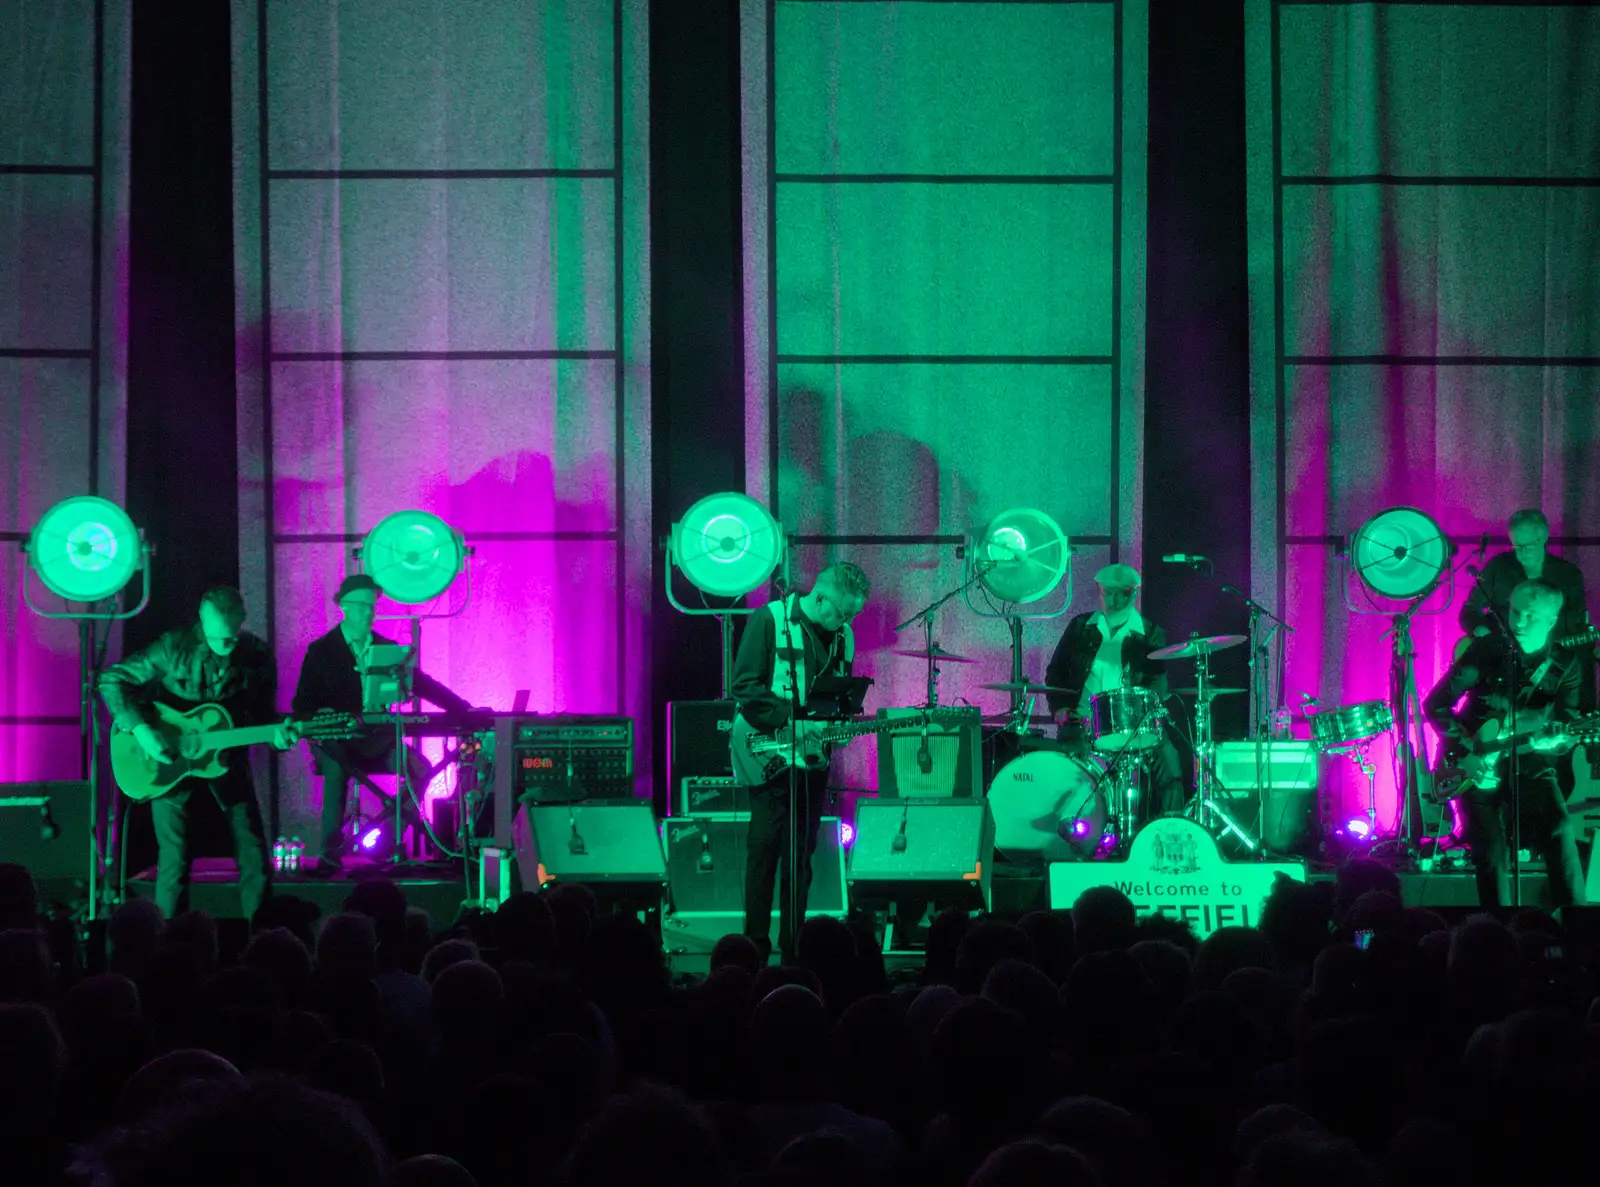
(1024, 693)
(1349, 730)
(1210, 692)
(1204, 809)
(931, 651)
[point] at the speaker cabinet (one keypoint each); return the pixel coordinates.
(601, 843)
(46, 827)
(706, 862)
(698, 733)
(936, 850)
(946, 761)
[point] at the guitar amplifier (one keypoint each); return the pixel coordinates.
(947, 760)
(567, 759)
(698, 733)
(723, 794)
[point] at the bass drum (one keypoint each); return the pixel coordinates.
(1047, 806)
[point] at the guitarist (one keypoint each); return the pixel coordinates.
(1547, 690)
(785, 646)
(216, 661)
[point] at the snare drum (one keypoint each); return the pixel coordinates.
(1349, 724)
(1048, 806)
(1126, 718)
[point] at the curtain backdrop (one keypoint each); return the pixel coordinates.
(1425, 269)
(944, 300)
(442, 260)
(64, 77)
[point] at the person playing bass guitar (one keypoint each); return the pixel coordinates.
(785, 647)
(1546, 696)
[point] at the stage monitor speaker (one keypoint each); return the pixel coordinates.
(946, 761)
(46, 827)
(607, 842)
(938, 850)
(698, 733)
(706, 863)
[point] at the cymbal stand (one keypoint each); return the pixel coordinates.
(925, 617)
(1204, 809)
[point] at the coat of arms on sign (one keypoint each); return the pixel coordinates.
(1172, 851)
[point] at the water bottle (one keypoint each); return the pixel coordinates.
(296, 851)
(279, 850)
(1282, 726)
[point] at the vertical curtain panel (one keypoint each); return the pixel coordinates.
(944, 228)
(64, 85)
(443, 286)
(1424, 272)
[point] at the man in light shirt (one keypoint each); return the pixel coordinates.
(1107, 649)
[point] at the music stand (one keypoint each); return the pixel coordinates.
(836, 697)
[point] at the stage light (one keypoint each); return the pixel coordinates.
(85, 549)
(1021, 555)
(371, 839)
(1400, 553)
(1080, 828)
(413, 556)
(847, 834)
(1358, 828)
(726, 545)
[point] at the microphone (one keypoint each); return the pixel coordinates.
(1308, 700)
(575, 845)
(898, 845)
(705, 865)
(1483, 547)
(1184, 558)
(1474, 571)
(924, 755)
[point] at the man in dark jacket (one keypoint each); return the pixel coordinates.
(331, 678)
(214, 661)
(1109, 649)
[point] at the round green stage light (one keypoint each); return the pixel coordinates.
(727, 544)
(85, 549)
(413, 556)
(1022, 555)
(1400, 553)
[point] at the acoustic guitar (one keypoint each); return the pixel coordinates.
(197, 739)
(758, 757)
(1480, 768)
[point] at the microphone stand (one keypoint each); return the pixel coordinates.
(792, 892)
(1513, 668)
(1261, 695)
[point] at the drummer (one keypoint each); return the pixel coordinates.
(1105, 650)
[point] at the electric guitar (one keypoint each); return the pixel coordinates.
(197, 739)
(1479, 769)
(1583, 638)
(758, 757)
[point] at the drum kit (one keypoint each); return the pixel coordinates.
(1080, 797)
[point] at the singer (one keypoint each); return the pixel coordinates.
(785, 647)
(1105, 650)
(1530, 560)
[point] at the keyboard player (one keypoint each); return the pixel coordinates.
(331, 678)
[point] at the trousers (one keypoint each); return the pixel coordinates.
(169, 815)
(1546, 830)
(767, 854)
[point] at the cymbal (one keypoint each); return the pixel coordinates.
(1198, 646)
(1210, 692)
(1023, 686)
(939, 653)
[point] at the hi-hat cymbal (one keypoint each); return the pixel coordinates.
(1023, 686)
(1210, 692)
(939, 653)
(1198, 646)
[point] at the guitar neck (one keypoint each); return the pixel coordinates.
(855, 729)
